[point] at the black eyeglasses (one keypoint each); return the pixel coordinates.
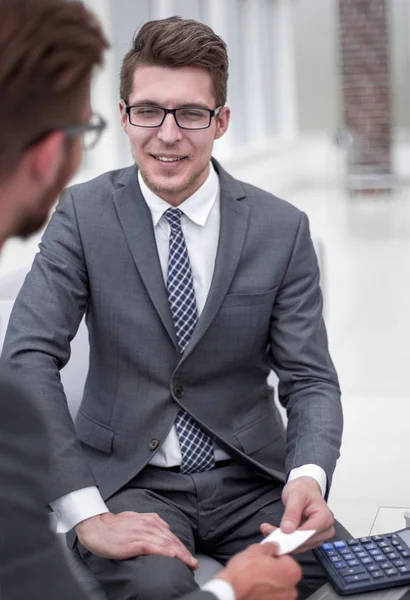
(192, 118)
(89, 132)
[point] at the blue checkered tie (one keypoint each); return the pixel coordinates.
(196, 446)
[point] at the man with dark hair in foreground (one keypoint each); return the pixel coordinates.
(48, 49)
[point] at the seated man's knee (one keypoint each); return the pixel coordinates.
(163, 578)
(143, 577)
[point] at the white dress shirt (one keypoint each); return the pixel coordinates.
(200, 224)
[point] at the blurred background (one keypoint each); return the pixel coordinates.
(319, 92)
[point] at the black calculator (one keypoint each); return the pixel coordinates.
(367, 564)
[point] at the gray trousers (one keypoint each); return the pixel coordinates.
(216, 513)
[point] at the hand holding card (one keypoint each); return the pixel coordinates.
(287, 542)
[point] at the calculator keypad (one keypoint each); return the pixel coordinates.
(377, 574)
(377, 561)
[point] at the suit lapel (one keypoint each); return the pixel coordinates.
(232, 234)
(136, 222)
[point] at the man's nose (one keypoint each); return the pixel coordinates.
(169, 132)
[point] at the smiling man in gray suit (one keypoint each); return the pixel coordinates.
(194, 285)
(44, 117)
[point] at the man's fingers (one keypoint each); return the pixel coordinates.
(292, 516)
(152, 527)
(289, 570)
(130, 534)
(268, 549)
(267, 529)
(166, 538)
(143, 547)
(149, 524)
(182, 550)
(148, 546)
(319, 519)
(322, 531)
(158, 519)
(154, 517)
(316, 540)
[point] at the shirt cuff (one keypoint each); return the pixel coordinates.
(220, 588)
(77, 506)
(314, 471)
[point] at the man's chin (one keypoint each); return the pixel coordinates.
(167, 186)
(173, 185)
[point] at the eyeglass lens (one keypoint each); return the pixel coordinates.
(188, 118)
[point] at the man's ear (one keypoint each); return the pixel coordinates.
(222, 122)
(124, 116)
(46, 157)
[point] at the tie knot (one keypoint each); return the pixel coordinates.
(173, 216)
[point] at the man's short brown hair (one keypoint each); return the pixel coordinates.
(177, 42)
(48, 49)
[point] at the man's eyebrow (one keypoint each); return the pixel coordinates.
(194, 105)
(184, 105)
(144, 103)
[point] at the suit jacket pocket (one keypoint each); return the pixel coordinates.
(258, 434)
(94, 434)
(253, 299)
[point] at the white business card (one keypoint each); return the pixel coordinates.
(288, 542)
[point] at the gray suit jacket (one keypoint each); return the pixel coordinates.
(32, 564)
(264, 310)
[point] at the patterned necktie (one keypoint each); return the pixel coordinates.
(196, 446)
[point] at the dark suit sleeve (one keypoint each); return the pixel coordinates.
(32, 564)
(44, 320)
(309, 386)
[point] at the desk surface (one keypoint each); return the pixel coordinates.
(389, 518)
(326, 592)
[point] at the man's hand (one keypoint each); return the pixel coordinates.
(305, 508)
(258, 574)
(130, 534)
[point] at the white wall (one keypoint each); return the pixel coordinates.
(283, 89)
(400, 62)
(317, 63)
(316, 51)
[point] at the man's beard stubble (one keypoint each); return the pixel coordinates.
(34, 221)
(162, 191)
(31, 223)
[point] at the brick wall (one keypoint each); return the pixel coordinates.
(364, 55)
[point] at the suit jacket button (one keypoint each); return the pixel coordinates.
(153, 445)
(178, 391)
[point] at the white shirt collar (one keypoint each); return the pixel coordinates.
(197, 207)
